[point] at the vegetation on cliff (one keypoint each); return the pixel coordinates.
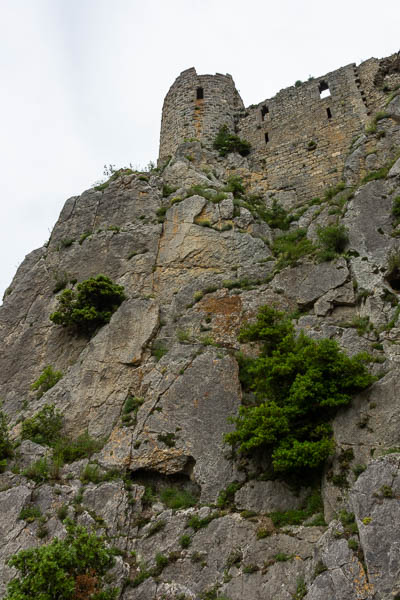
(5, 442)
(90, 306)
(72, 568)
(226, 142)
(299, 384)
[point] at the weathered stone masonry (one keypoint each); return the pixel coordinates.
(300, 137)
(196, 106)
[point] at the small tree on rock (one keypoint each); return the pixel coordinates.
(90, 306)
(68, 569)
(298, 384)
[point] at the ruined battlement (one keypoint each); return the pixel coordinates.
(300, 137)
(196, 106)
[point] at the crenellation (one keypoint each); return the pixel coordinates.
(300, 137)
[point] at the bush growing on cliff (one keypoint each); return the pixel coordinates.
(68, 569)
(226, 142)
(47, 379)
(333, 240)
(90, 306)
(44, 427)
(396, 210)
(299, 384)
(277, 217)
(290, 247)
(235, 185)
(6, 449)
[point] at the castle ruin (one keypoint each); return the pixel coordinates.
(300, 137)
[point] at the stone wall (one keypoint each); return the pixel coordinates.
(195, 107)
(376, 78)
(300, 138)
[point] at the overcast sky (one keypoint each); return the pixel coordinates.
(83, 81)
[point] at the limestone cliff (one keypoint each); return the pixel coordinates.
(196, 263)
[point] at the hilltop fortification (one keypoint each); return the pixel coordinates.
(127, 417)
(300, 138)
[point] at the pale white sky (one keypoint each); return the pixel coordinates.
(83, 81)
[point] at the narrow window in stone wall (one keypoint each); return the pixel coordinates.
(324, 91)
(200, 93)
(264, 111)
(328, 112)
(266, 138)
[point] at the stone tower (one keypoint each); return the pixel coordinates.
(195, 107)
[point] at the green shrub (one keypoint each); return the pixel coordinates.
(38, 471)
(141, 576)
(6, 448)
(66, 242)
(68, 451)
(373, 175)
(44, 428)
(175, 498)
(217, 197)
(90, 306)
(353, 545)
(282, 557)
(185, 540)
(156, 527)
(226, 142)
(386, 491)
(167, 438)
(313, 505)
(396, 209)
(196, 523)
(362, 324)
(160, 213)
(276, 216)
(290, 247)
(130, 410)
(84, 236)
(158, 350)
(46, 381)
(30, 513)
(372, 125)
(358, 469)
(334, 190)
(204, 223)
(62, 512)
(226, 497)
(64, 569)
(235, 185)
(91, 474)
(161, 561)
(248, 569)
(167, 190)
(333, 240)
(299, 384)
(101, 186)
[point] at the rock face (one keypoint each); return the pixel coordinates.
(149, 397)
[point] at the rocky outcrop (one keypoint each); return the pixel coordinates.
(157, 386)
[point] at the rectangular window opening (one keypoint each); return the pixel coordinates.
(328, 112)
(324, 91)
(266, 137)
(264, 111)
(200, 93)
